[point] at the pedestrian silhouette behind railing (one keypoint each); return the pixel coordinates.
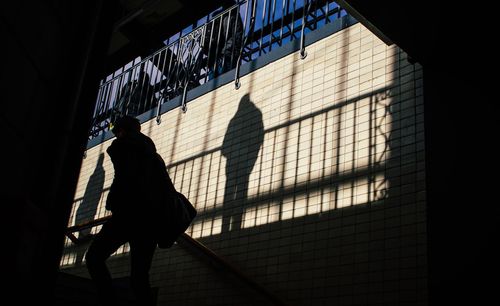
(136, 96)
(222, 43)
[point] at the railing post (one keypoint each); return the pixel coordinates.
(183, 103)
(303, 53)
(250, 32)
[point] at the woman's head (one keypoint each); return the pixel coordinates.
(126, 125)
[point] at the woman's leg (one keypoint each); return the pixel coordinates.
(105, 243)
(142, 249)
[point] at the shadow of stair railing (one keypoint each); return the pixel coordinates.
(188, 243)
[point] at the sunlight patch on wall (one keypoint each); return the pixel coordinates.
(260, 215)
(329, 159)
(326, 160)
(68, 259)
(356, 192)
(205, 227)
(77, 256)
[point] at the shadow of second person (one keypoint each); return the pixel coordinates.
(241, 145)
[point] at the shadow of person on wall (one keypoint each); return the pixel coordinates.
(241, 145)
(88, 208)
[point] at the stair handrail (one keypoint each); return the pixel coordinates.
(187, 242)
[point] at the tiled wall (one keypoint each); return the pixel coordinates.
(309, 178)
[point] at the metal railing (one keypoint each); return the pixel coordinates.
(231, 38)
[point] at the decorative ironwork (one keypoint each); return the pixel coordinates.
(233, 37)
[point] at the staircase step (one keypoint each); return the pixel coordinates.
(72, 290)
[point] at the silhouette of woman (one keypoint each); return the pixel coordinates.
(131, 203)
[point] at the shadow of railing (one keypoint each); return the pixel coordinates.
(361, 169)
(290, 196)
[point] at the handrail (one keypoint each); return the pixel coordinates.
(89, 224)
(187, 242)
